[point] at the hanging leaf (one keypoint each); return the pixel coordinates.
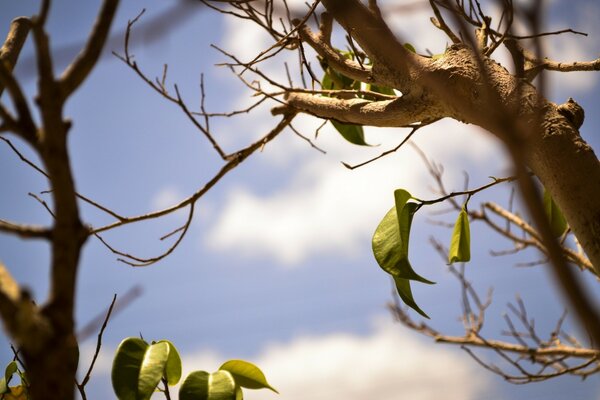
(352, 133)
(200, 385)
(138, 368)
(460, 246)
(173, 367)
(247, 375)
(403, 288)
(410, 47)
(558, 223)
(390, 246)
(390, 240)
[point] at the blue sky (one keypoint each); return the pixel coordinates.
(277, 266)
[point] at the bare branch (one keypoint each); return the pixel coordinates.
(439, 23)
(15, 39)
(81, 67)
(25, 231)
(234, 160)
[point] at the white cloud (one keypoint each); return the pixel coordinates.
(324, 208)
(387, 364)
(166, 197)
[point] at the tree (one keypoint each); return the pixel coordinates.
(378, 81)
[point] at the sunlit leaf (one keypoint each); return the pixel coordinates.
(126, 368)
(247, 375)
(390, 240)
(460, 246)
(173, 367)
(403, 288)
(200, 385)
(352, 133)
(152, 369)
(390, 246)
(558, 223)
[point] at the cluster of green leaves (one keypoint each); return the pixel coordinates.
(18, 392)
(391, 239)
(138, 368)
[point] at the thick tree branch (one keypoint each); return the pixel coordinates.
(81, 67)
(402, 111)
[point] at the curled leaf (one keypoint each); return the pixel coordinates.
(460, 246)
(390, 247)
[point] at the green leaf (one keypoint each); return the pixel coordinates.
(173, 368)
(200, 385)
(138, 368)
(403, 288)
(126, 368)
(247, 375)
(152, 369)
(558, 223)
(390, 240)
(460, 246)
(390, 247)
(410, 47)
(352, 133)
(11, 368)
